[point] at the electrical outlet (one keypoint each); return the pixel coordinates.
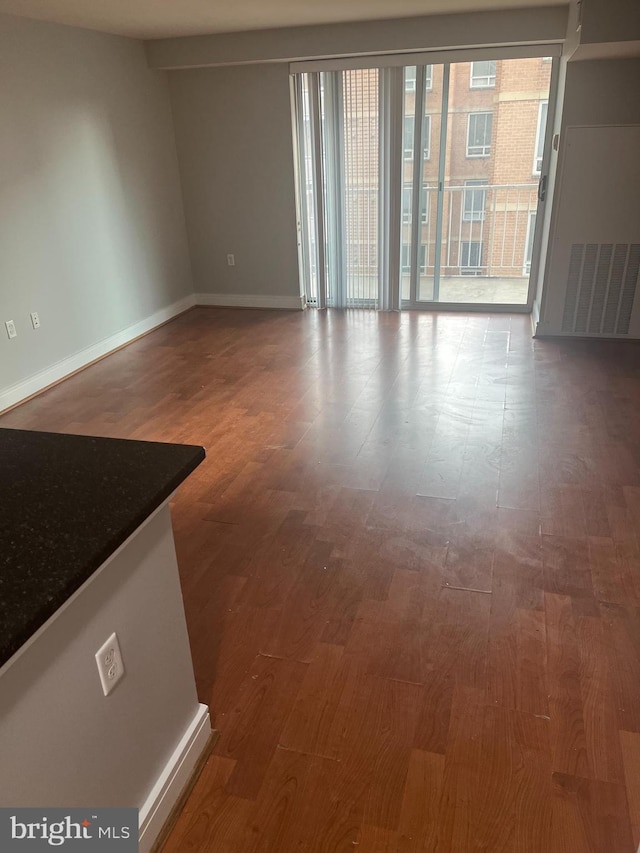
(231, 260)
(110, 664)
(35, 320)
(11, 329)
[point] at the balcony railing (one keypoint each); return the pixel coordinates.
(487, 233)
(503, 227)
(487, 230)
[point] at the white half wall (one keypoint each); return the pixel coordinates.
(136, 747)
(92, 232)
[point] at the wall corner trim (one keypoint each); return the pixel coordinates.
(242, 300)
(173, 778)
(43, 379)
(535, 317)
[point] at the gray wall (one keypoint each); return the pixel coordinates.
(92, 231)
(233, 130)
(605, 91)
(610, 21)
(235, 148)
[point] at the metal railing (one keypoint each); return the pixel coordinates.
(487, 233)
(487, 229)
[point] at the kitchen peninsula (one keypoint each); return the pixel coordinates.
(86, 550)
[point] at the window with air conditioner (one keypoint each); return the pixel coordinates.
(479, 129)
(474, 201)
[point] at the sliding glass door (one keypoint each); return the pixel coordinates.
(419, 184)
(421, 137)
(337, 122)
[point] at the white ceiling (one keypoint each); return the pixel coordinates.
(162, 18)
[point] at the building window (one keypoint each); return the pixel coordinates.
(474, 201)
(540, 133)
(426, 137)
(424, 205)
(409, 124)
(479, 132)
(407, 196)
(410, 73)
(428, 77)
(406, 259)
(483, 74)
(407, 202)
(410, 78)
(471, 257)
(528, 252)
(409, 129)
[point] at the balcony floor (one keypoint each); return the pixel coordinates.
(465, 289)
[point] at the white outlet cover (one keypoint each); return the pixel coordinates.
(11, 329)
(35, 320)
(110, 664)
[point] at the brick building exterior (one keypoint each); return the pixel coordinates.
(495, 130)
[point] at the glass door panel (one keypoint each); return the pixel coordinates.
(361, 181)
(408, 148)
(423, 87)
(496, 120)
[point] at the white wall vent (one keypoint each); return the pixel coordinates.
(601, 286)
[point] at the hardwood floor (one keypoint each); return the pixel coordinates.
(411, 574)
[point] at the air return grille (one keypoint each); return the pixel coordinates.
(600, 288)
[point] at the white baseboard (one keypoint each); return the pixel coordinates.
(39, 381)
(242, 300)
(14, 394)
(175, 775)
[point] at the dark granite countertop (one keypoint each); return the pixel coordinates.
(67, 502)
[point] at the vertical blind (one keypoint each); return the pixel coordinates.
(341, 147)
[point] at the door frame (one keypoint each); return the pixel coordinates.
(415, 304)
(390, 193)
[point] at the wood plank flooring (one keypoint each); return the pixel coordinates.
(411, 573)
